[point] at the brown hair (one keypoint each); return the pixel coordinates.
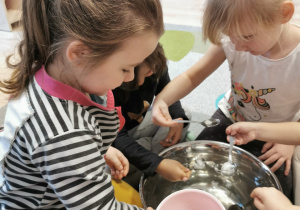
(156, 61)
(227, 16)
(101, 25)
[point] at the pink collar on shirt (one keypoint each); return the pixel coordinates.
(63, 91)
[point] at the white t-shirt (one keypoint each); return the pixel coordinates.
(262, 89)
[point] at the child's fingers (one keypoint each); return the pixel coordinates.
(169, 137)
(118, 175)
(161, 116)
(288, 164)
(125, 164)
(266, 147)
(125, 169)
(186, 173)
(117, 163)
(277, 165)
(119, 166)
(165, 144)
(112, 172)
(228, 130)
(258, 203)
(231, 130)
(269, 157)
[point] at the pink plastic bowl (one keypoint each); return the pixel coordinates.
(190, 199)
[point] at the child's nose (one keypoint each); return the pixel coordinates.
(240, 46)
(129, 76)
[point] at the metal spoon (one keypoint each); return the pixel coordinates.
(238, 207)
(206, 123)
(228, 168)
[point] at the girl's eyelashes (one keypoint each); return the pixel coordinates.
(125, 71)
(248, 37)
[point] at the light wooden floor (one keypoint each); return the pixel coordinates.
(179, 12)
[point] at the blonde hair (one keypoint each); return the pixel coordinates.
(227, 16)
(101, 25)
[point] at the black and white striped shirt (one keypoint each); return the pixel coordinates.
(56, 159)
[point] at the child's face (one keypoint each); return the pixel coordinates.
(257, 40)
(119, 67)
(143, 72)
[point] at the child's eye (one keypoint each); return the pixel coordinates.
(248, 37)
(125, 71)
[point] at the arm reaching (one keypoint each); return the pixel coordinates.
(282, 133)
(148, 162)
(184, 84)
(266, 198)
(173, 171)
(276, 134)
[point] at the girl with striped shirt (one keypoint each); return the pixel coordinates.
(56, 140)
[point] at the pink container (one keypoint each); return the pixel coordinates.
(190, 199)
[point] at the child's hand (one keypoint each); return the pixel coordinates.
(280, 153)
(174, 135)
(243, 132)
(266, 198)
(117, 163)
(173, 171)
(161, 115)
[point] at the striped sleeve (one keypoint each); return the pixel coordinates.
(74, 168)
(56, 160)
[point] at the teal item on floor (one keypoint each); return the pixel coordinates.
(190, 136)
(218, 100)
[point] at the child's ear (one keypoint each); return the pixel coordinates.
(287, 11)
(76, 51)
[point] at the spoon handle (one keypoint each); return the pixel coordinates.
(186, 121)
(231, 138)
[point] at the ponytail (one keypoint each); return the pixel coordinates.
(33, 49)
(99, 24)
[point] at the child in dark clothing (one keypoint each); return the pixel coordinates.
(135, 98)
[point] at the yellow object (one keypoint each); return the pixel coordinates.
(177, 44)
(125, 193)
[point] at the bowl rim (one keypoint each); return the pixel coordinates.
(207, 142)
(190, 190)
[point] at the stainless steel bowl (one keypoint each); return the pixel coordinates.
(250, 173)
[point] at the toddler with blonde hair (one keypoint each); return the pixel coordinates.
(262, 49)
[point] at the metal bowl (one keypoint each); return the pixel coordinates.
(250, 173)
